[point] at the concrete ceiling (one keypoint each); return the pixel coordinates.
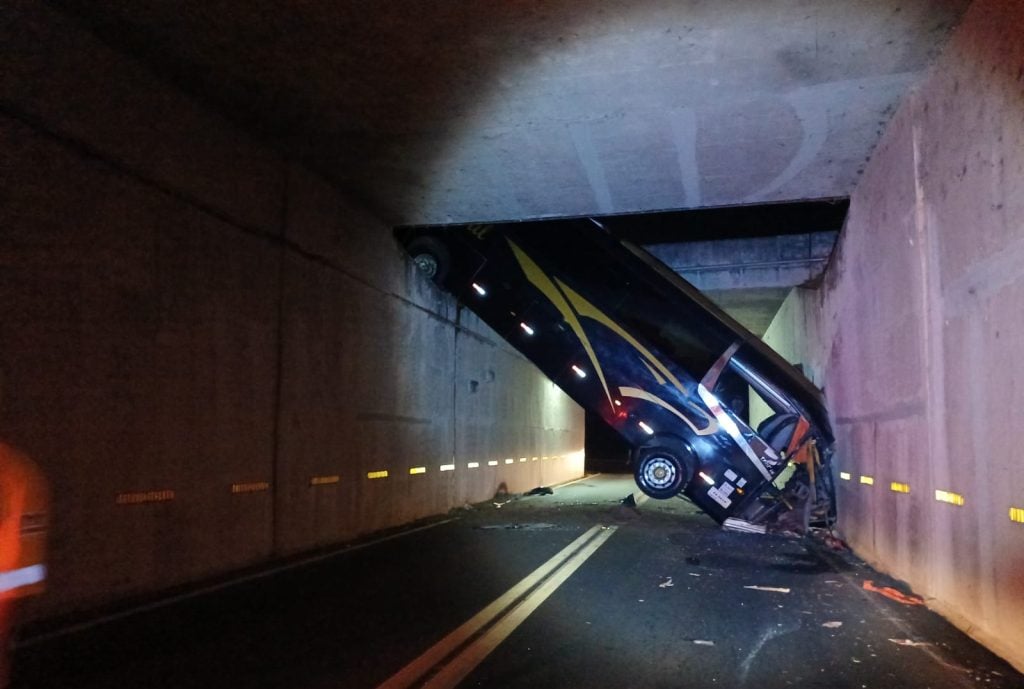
(466, 111)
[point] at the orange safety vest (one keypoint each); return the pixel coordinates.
(24, 519)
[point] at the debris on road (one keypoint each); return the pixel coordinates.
(531, 526)
(835, 624)
(703, 642)
(541, 490)
(773, 589)
(666, 584)
(909, 642)
(893, 594)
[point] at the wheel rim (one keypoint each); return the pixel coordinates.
(660, 473)
(426, 263)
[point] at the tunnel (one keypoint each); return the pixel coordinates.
(278, 454)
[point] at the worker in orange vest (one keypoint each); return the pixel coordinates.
(24, 506)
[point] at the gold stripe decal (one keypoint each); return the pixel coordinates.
(541, 281)
(588, 310)
(636, 393)
(657, 376)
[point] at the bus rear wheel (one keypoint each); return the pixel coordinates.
(663, 472)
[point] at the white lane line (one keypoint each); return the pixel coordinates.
(461, 665)
(262, 574)
(415, 670)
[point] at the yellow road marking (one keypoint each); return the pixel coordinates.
(415, 670)
(464, 663)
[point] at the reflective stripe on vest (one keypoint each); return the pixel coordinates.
(26, 576)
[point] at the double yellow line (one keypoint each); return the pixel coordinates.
(481, 634)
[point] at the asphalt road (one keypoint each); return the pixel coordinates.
(563, 590)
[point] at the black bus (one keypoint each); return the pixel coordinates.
(709, 410)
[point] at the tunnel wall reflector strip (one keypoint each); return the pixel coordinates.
(142, 497)
(867, 480)
(899, 487)
(1017, 514)
(324, 480)
(951, 498)
(252, 487)
(418, 470)
(845, 475)
(377, 474)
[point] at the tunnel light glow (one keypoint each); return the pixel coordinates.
(1017, 514)
(522, 459)
(447, 467)
(510, 461)
(899, 487)
(543, 458)
(526, 329)
(252, 487)
(951, 498)
(492, 463)
(707, 479)
(377, 474)
(867, 480)
(845, 475)
(579, 371)
(646, 429)
(618, 403)
(579, 456)
(418, 470)
(480, 290)
(534, 459)
(144, 497)
(324, 480)
(473, 465)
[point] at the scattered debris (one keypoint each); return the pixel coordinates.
(829, 539)
(693, 574)
(541, 490)
(835, 624)
(855, 660)
(909, 642)
(773, 589)
(742, 526)
(835, 543)
(530, 526)
(499, 504)
(628, 501)
(893, 594)
(666, 584)
(703, 642)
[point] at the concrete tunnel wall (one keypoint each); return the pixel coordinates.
(917, 336)
(208, 349)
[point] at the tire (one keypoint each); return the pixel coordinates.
(663, 472)
(431, 257)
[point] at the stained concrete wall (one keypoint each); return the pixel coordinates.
(917, 336)
(208, 349)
